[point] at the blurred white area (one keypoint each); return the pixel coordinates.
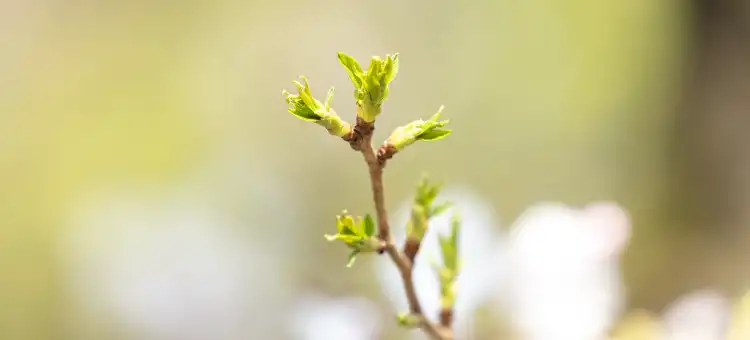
(700, 315)
(183, 263)
(480, 250)
(317, 317)
(564, 278)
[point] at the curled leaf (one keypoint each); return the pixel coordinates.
(429, 130)
(391, 67)
(370, 86)
(423, 209)
(448, 273)
(369, 225)
(352, 68)
(356, 234)
(304, 106)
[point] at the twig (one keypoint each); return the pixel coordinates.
(361, 140)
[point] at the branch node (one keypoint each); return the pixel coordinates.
(411, 248)
(385, 152)
(446, 317)
(361, 131)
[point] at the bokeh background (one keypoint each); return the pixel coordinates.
(153, 186)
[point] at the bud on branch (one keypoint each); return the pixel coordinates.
(358, 235)
(306, 107)
(371, 87)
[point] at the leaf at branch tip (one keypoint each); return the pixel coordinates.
(299, 108)
(449, 244)
(306, 94)
(306, 107)
(391, 68)
(353, 69)
(329, 98)
(435, 134)
(375, 66)
(436, 116)
(357, 235)
(373, 84)
(429, 130)
(346, 224)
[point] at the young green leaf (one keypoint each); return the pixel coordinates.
(369, 225)
(391, 68)
(304, 106)
(370, 86)
(357, 235)
(428, 130)
(352, 68)
(449, 245)
(306, 95)
(329, 98)
(434, 134)
(299, 108)
(352, 258)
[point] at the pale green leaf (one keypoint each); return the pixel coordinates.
(369, 225)
(434, 134)
(353, 69)
(332, 237)
(306, 95)
(391, 68)
(329, 99)
(305, 114)
(352, 258)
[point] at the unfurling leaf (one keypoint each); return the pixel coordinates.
(304, 106)
(428, 130)
(448, 273)
(423, 209)
(369, 225)
(352, 67)
(357, 234)
(434, 134)
(371, 86)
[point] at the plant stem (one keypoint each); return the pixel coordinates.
(404, 264)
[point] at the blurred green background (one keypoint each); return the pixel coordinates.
(644, 102)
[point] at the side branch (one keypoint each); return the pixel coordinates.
(361, 140)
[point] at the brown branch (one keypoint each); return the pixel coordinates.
(361, 140)
(446, 317)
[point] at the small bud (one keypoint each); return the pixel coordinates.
(306, 107)
(358, 235)
(370, 87)
(417, 225)
(448, 273)
(421, 212)
(408, 320)
(423, 209)
(449, 245)
(428, 130)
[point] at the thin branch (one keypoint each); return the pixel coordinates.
(363, 143)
